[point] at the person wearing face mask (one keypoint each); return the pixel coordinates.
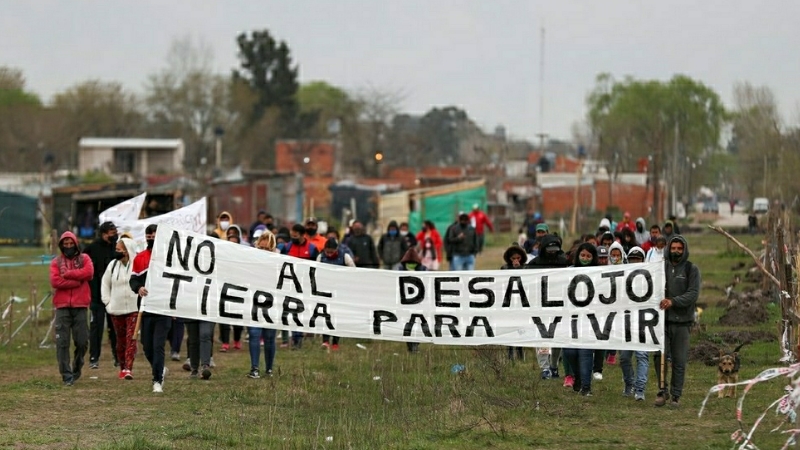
(70, 273)
(266, 241)
(635, 381)
(616, 256)
(407, 236)
(299, 247)
(411, 262)
(429, 234)
(154, 327)
(234, 234)
(463, 242)
(391, 247)
(656, 253)
(363, 247)
(579, 362)
(606, 239)
(640, 234)
(550, 257)
(224, 220)
(680, 302)
(333, 254)
(101, 251)
(120, 303)
(311, 233)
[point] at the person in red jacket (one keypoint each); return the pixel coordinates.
(429, 235)
(70, 274)
(626, 223)
(479, 220)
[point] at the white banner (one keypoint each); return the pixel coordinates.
(127, 211)
(609, 307)
(191, 217)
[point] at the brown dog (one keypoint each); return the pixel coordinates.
(728, 371)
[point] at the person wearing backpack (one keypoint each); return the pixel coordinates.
(391, 247)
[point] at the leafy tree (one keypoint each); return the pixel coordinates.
(12, 89)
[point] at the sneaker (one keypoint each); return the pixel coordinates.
(193, 375)
(554, 372)
(253, 374)
(639, 396)
(335, 347)
(586, 392)
(158, 387)
(569, 381)
(237, 345)
(206, 373)
(69, 383)
(674, 403)
(128, 375)
(628, 391)
(597, 376)
(116, 362)
(661, 399)
(546, 375)
(611, 359)
(187, 366)
(284, 345)
(211, 363)
(121, 375)
(269, 373)
(224, 348)
(94, 365)
(176, 356)
(326, 346)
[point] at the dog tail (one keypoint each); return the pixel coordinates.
(736, 350)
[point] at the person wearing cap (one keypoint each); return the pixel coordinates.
(480, 221)
(550, 257)
(101, 251)
(463, 242)
(602, 255)
(311, 233)
(333, 254)
(635, 255)
(260, 220)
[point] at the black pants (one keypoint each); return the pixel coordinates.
(154, 337)
(71, 322)
(99, 318)
(225, 333)
(326, 338)
(199, 340)
(520, 352)
(677, 347)
(176, 335)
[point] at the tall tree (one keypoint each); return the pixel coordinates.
(187, 99)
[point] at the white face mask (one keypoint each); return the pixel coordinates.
(224, 225)
(403, 233)
(614, 260)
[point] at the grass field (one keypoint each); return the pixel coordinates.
(380, 397)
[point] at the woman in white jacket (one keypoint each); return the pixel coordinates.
(121, 303)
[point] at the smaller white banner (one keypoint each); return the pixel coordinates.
(127, 211)
(191, 217)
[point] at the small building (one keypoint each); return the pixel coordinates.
(130, 157)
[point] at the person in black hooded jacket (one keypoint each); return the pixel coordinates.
(101, 251)
(550, 257)
(515, 258)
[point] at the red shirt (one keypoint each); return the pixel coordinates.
(480, 219)
(306, 250)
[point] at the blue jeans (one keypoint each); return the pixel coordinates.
(638, 379)
(255, 346)
(466, 262)
(581, 360)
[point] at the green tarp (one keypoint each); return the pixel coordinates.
(17, 219)
(443, 209)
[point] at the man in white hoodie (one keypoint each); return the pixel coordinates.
(641, 233)
(121, 303)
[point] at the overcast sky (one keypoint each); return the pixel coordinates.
(481, 55)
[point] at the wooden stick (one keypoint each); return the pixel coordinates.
(138, 325)
(750, 252)
(662, 383)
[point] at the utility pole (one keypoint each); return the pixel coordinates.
(541, 134)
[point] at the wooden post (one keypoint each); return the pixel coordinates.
(33, 312)
(10, 328)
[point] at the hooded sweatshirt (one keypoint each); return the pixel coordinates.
(635, 249)
(218, 230)
(115, 285)
(644, 235)
(666, 235)
(233, 226)
(70, 277)
(101, 253)
(683, 285)
(391, 248)
(412, 257)
(547, 260)
(510, 251)
(605, 225)
(623, 259)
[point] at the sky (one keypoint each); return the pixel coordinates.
(480, 55)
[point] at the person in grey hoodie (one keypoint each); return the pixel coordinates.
(642, 234)
(680, 302)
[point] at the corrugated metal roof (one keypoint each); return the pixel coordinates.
(130, 143)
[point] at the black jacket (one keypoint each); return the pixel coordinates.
(101, 254)
(682, 285)
(545, 261)
(363, 248)
(462, 245)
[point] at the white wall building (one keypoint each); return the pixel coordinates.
(130, 156)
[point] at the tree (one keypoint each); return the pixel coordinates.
(187, 99)
(12, 89)
(376, 109)
(670, 122)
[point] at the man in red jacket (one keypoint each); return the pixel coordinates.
(479, 220)
(70, 274)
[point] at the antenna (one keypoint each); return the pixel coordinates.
(541, 135)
